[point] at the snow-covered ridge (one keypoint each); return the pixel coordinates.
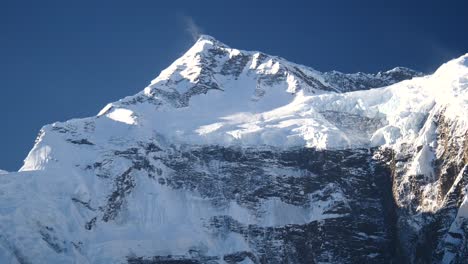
(212, 63)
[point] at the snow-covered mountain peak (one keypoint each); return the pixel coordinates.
(203, 45)
(215, 94)
(209, 40)
(454, 71)
(232, 156)
(210, 66)
(398, 73)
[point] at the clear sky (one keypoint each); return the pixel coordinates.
(66, 59)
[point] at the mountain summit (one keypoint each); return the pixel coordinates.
(233, 156)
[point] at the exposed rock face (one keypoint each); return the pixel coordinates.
(232, 156)
(430, 229)
(317, 206)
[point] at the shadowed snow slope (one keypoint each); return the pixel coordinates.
(231, 156)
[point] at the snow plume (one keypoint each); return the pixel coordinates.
(192, 28)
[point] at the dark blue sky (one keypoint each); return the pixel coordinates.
(67, 59)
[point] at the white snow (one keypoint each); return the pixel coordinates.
(122, 115)
(284, 119)
(463, 212)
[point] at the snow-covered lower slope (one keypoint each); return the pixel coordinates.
(231, 156)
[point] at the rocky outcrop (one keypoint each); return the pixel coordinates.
(428, 204)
